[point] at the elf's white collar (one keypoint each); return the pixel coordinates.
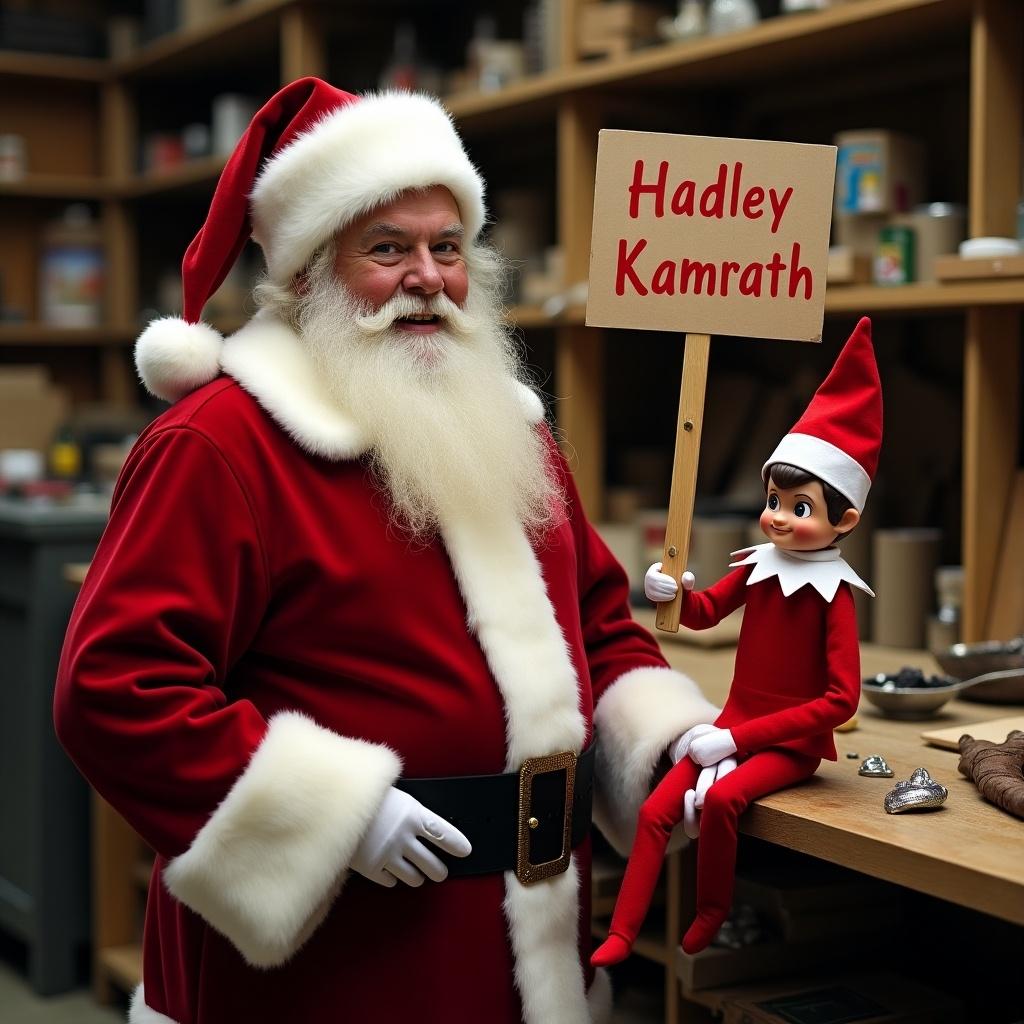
(823, 570)
(270, 362)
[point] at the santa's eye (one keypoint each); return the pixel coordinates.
(773, 502)
(802, 509)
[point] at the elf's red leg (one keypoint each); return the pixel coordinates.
(660, 813)
(764, 772)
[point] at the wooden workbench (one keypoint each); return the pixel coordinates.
(969, 852)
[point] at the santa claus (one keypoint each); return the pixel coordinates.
(348, 643)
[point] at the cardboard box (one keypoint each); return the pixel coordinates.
(846, 266)
(876, 998)
(31, 407)
(878, 172)
(615, 28)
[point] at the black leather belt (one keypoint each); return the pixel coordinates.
(527, 821)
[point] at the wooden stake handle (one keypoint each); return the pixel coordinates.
(684, 472)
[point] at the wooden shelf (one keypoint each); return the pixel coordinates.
(195, 175)
(16, 64)
(776, 44)
(924, 298)
(45, 334)
(57, 186)
(236, 30)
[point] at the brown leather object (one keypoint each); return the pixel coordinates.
(997, 769)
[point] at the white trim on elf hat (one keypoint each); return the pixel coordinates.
(312, 160)
(840, 433)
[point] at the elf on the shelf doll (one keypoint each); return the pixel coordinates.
(797, 670)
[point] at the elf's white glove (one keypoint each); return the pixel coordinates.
(693, 799)
(681, 747)
(391, 851)
(660, 587)
(710, 748)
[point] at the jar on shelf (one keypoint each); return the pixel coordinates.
(72, 270)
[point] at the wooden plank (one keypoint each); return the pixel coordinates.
(991, 426)
(579, 352)
(994, 730)
(57, 186)
(1006, 616)
(996, 116)
(200, 174)
(36, 334)
(303, 44)
(684, 472)
(15, 64)
(952, 268)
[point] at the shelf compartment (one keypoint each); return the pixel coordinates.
(19, 64)
(236, 30)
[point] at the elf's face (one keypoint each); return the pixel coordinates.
(796, 519)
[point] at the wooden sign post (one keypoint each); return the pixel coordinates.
(709, 236)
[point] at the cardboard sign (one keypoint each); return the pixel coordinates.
(710, 236)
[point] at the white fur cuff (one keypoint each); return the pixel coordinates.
(266, 867)
(638, 716)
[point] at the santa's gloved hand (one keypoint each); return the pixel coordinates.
(693, 799)
(678, 750)
(393, 848)
(710, 748)
(659, 587)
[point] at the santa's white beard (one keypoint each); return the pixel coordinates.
(448, 432)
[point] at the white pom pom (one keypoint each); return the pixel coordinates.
(174, 357)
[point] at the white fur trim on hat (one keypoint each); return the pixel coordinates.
(358, 157)
(174, 357)
(636, 719)
(266, 867)
(826, 462)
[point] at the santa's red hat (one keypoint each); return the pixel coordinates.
(312, 160)
(840, 433)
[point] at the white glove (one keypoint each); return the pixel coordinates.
(681, 747)
(391, 850)
(693, 799)
(710, 748)
(709, 776)
(660, 587)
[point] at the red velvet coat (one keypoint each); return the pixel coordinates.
(244, 577)
(797, 670)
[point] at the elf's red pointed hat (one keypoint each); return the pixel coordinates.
(312, 160)
(840, 433)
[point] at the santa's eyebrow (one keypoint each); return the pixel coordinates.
(383, 228)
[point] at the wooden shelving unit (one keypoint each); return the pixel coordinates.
(875, 48)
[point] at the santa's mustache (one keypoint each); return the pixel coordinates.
(402, 305)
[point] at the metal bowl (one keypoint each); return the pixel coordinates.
(994, 670)
(909, 701)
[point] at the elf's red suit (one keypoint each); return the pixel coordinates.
(797, 676)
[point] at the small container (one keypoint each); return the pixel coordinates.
(72, 270)
(13, 160)
(894, 257)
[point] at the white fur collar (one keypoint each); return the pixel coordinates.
(269, 361)
(823, 570)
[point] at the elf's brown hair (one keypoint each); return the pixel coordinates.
(787, 477)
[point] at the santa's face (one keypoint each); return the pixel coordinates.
(796, 518)
(410, 247)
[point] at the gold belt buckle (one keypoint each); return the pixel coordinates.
(526, 871)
